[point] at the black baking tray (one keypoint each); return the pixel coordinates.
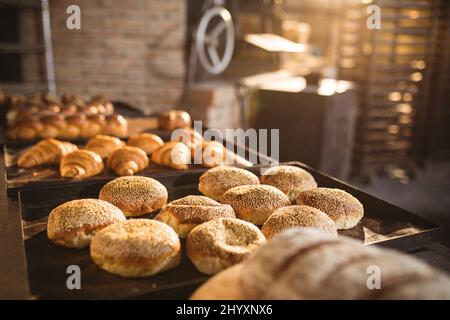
(383, 224)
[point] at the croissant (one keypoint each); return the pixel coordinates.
(45, 152)
(209, 154)
(104, 145)
(188, 136)
(81, 164)
(146, 141)
(173, 154)
(174, 119)
(53, 124)
(116, 125)
(126, 161)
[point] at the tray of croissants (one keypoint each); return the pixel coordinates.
(105, 156)
(278, 232)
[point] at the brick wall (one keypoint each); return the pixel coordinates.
(130, 50)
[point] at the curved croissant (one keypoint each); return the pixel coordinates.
(81, 164)
(146, 141)
(127, 160)
(104, 145)
(209, 154)
(47, 151)
(173, 154)
(188, 136)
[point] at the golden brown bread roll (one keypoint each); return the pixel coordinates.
(172, 154)
(344, 209)
(104, 145)
(316, 265)
(186, 213)
(173, 119)
(136, 248)
(47, 151)
(127, 161)
(73, 223)
(255, 203)
(188, 136)
(115, 125)
(215, 182)
(135, 196)
(297, 216)
(27, 128)
(288, 179)
(146, 141)
(74, 125)
(52, 125)
(210, 154)
(93, 126)
(81, 164)
(220, 243)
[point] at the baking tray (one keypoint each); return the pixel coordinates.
(48, 175)
(384, 224)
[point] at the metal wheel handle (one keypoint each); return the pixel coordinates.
(207, 43)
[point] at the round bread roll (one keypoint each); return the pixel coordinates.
(216, 181)
(297, 216)
(74, 223)
(288, 179)
(309, 264)
(220, 243)
(135, 195)
(146, 141)
(136, 248)
(186, 213)
(343, 208)
(255, 203)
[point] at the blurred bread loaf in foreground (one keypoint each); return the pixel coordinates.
(186, 213)
(297, 216)
(343, 208)
(48, 151)
(309, 264)
(216, 181)
(255, 203)
(288, 179)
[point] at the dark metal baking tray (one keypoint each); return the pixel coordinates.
(383, 224)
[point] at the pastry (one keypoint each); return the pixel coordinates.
(220, 243)
(255, 203)
(146, 141)
(186, 213)
(136, 248)
(135, 195)
(128, 161)
(215, 182)
(47, 151)
(173, 154)
(343, 208)
(81, 164)
(297, 217)
(103, 145)
(173, 119)
(73, 223)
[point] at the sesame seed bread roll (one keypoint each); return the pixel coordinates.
(135, 195)
(73, 223)
(220, 243)
(255, 203)
(215, 182)
(343, 208)
(309, 264)
(289, 179)
(297, 216)
(136, 248)
(186, 213)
